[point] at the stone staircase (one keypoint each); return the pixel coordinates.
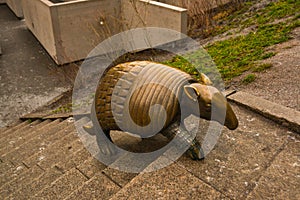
(45, 159)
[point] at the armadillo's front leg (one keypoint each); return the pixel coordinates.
(195, 151)
(104, 141)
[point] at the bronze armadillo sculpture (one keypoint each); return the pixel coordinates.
(127, 94)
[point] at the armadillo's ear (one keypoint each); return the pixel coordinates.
(205, 79)
(191, 92)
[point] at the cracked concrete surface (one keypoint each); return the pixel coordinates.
(27, 78)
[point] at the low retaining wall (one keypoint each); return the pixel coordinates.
(70, 30)
(16, 7)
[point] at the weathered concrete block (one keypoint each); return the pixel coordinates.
(69, 30)
(15, 6)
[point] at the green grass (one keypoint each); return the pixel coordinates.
(273, 11)
(63, 109)
(249, 78)
(236, 55)
(262, 67)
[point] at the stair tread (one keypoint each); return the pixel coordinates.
(14, 133)
(19, 180)
(63, 186)
(96, 187)
(54, 149)
(27, 190)
(21, 142)
(12, 129)
(17, 137)
(39, 142)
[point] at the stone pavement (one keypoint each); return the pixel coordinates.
(45, 159)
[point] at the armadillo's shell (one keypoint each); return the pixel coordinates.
(127, 92)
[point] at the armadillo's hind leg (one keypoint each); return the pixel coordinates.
(105, 143)
(195, 150)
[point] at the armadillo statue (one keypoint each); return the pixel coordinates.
(146, 98)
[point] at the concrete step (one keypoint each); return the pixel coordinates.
(60, 151)
(13, 132)
(67, 136)
(10, 171)
(18, 137)
(33, 186)
(172, 182)
(5, 166)
(19, 180)
(63, 186)
(23, 144)
(73, 160)
(98, 187)
(90, 167)
(13, 129)
(40, 141)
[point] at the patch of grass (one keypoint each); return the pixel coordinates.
(249, 78)
(63, 109)
(236, 55)
(273, 11)
(277, 10)
(262, 67)
(268, 55)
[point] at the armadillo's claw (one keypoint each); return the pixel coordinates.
(89, 129)
(195, 151)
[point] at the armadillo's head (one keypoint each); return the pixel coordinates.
(212, 104)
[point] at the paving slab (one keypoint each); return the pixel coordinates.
(13, 128)
(172, 182)
(21, 179)
(33, 186)
(75, 159)
(90, 167)
(119, 177)
(97, 187)
(282, 179)
(63, 186)
(53, 150)
(241, 156)
(8, 136)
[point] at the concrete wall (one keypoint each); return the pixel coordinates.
(190, 4)
(16, 7)
(154, 14)
(80, 26)
(70, 30)
(38, 18)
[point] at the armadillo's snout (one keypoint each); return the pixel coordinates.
(222, 112)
